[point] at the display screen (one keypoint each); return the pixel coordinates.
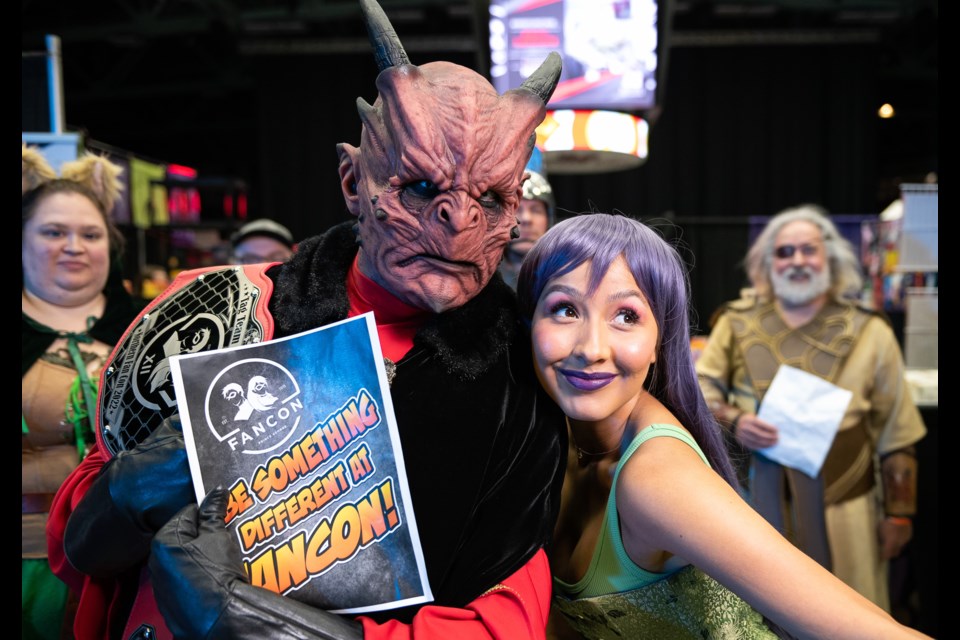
(609, 49)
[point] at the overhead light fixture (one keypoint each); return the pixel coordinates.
(579, 141)
(886, 111)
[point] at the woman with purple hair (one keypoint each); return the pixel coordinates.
(653, 540)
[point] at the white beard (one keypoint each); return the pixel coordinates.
(793, 293)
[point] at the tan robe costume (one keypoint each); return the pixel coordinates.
(833, 517)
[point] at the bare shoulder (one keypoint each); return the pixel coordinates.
(661, 471)
(665, 494)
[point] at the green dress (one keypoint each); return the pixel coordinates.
(616, 599)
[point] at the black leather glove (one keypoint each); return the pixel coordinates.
(136, 493)
(202, 592)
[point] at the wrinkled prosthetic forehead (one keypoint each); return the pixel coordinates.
(447, 123)
(444, 122)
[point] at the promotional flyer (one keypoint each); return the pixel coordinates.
(301, 432)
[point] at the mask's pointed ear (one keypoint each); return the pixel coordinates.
(348, 177)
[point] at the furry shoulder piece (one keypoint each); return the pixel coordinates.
(311, 291)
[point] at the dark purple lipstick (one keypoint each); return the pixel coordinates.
(583, 381)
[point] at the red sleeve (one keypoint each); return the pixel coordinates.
(95, 598)
(66, 499)
(515, 608)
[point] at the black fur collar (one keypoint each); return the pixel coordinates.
(311, 290)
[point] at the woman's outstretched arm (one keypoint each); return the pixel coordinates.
(671, 503)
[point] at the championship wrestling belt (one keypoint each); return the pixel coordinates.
(202, 310)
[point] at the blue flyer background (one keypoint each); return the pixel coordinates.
(307, 421)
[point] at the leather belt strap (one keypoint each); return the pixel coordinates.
(37, 502)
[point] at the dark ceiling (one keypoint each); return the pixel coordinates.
(174, 80)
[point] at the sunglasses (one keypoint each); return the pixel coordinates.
(785, 251)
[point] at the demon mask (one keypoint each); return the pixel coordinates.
(437, 178)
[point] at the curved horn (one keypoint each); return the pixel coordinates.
(386, 45)
(544, 80)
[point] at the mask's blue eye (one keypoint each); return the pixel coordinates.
(422, 189)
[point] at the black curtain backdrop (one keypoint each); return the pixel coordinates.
(743, 131)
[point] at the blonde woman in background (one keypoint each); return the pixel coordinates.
(73, 309)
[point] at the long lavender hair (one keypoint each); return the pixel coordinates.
(601, 238)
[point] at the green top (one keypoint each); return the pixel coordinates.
(618, 599)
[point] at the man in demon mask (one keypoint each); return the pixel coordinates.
(434, 186)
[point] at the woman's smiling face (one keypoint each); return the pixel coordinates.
(593, 351)
(65, 250)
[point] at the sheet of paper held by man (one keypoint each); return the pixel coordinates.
(807, 411)
(301, 431)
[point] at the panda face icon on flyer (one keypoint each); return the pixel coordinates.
(253, 406)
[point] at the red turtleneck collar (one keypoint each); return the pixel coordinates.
(397, 322)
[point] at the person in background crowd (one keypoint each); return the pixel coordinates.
(803, 313)
(534, 217)
(261, 240)
(154, 280)
(432, 188)
(652, 540)
(73, 309)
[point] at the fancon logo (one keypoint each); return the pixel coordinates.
(253, 406)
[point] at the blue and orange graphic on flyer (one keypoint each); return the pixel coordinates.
(301, 432)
